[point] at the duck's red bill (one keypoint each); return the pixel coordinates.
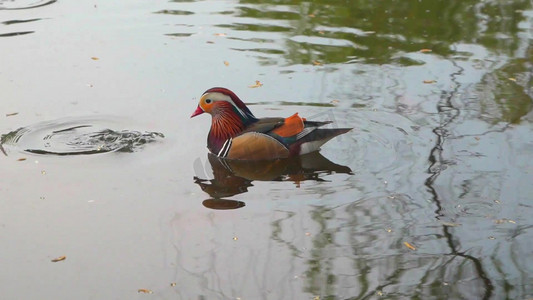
(198, 111)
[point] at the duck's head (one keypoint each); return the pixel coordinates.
(220, 101)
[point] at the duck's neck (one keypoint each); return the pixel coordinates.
(225, 124)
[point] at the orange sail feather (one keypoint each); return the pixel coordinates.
(292, 126)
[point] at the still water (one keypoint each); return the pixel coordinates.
(428, 197)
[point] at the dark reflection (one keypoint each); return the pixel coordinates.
(16, 22)
(175, 12)
(233, 177)
(15, 33)
(24, 4)
(179, 34)
(449, 114)
(10, 22)
(222, 204)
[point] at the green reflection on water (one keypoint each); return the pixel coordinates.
(175, 12)
(335, 34)
(320, 276)
(377, 31)
(383, 32)
(505, 94)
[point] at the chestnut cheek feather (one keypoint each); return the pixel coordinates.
(226, 124)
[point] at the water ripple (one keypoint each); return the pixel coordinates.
(10, 22)
(174, 12)
(75, 137)
(24, 4)
(15, 33)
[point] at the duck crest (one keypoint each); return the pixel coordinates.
(236, 100)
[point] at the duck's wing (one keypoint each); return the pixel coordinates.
(264, 125)
(301, 136)
(274, 138)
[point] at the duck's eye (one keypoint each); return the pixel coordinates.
(208, 101)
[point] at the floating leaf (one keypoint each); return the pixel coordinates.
(409, 246)
(94, 58)
(512, 79)
(173, 284)
(226, 63)
(450, 224)
(235, 238)
(144, 291)
(256, 85)
(21, 159)
(61, 258)
(501, 221)
(425, 50)
(429, 81)
(220, 34)
(12, 114)
(317, 63)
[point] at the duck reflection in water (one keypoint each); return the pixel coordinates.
(233, 177)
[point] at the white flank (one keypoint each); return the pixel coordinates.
(311, 146)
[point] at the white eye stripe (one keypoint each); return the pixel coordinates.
(215, 96)
(221, 97)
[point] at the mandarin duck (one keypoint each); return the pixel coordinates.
(237, 134)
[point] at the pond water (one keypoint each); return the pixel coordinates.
(428, 197)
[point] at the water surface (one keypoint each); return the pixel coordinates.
(428, 197)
